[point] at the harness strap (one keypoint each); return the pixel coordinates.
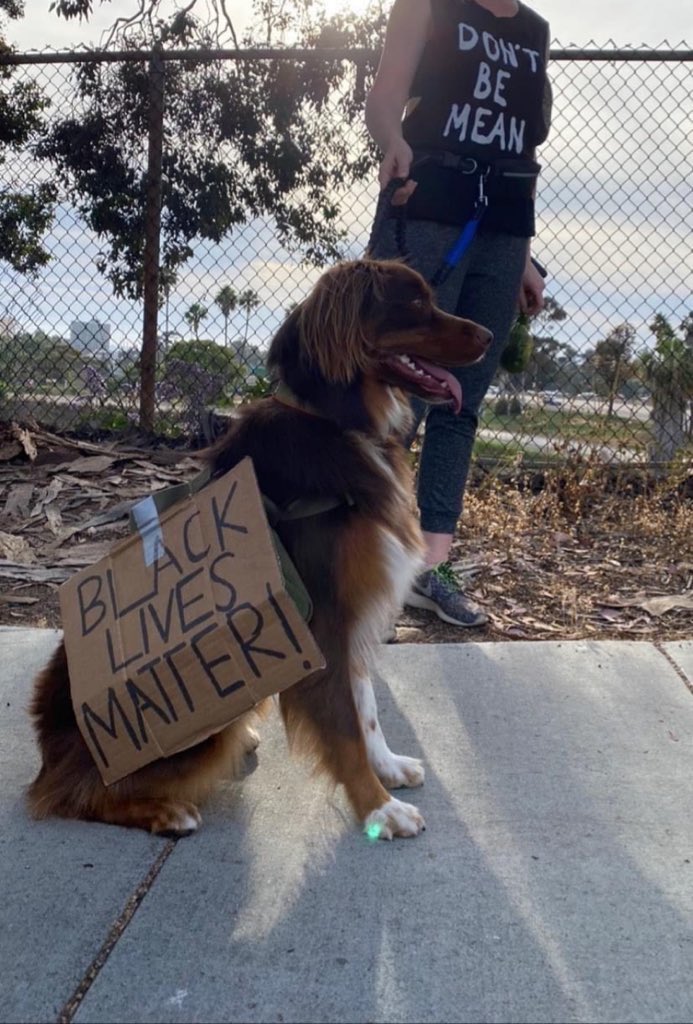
(169, 496)
(285, 396)
(304, 508)
(301, 508)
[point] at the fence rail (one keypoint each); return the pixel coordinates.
(354, 54)
(161, 212)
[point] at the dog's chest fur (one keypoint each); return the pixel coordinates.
(399, 544)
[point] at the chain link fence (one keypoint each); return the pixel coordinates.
(181, 221)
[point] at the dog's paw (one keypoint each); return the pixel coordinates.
(251, 740)
(176, 819)
(394, 818)
(398, 771)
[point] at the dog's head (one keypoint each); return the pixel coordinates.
(370, 321)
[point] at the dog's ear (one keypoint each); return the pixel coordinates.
(334, 320)
(289, 361)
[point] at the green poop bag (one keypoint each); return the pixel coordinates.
(518, 352)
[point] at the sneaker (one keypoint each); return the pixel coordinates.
(438, 590)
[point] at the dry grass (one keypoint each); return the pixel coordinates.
(581, 552)
(584, 551)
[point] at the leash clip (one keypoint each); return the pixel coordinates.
(482, 200)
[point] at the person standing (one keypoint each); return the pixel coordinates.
(460, 102)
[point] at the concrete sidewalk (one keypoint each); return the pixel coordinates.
(554, 881)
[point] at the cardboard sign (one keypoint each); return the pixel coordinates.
(182, 628)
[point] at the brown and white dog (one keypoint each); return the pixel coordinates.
(368, 332)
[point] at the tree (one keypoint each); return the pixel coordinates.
(194, 316)
(200, 371)
(26, 213)
(668, 372)
(167, 280)
(204, 353)
(248, 300)
(551, 313)
(30, 358)
(276, 23)
(611, 358)
(241, 139)
(544, 364)
(226, 300)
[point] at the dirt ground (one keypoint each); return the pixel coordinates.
(579, 553)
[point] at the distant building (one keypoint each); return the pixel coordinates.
(90, 337)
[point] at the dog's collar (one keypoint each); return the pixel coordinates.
(285, 396)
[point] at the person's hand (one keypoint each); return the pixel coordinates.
(531, 290)
(396, 164)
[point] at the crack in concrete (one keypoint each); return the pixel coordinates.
(70, 1008)
(688, 683)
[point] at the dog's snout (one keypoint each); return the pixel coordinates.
(485, 336)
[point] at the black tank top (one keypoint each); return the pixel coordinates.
(481, 91)
(481, 83)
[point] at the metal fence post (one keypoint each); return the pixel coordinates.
(152, 232)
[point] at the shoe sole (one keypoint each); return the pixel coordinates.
(419, 601)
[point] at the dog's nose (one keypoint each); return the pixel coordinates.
(485, 336)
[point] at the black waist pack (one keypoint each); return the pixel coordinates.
(448, 188)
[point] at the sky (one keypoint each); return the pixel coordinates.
(613, 211)
(626, 22)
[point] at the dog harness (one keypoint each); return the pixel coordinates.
(299, 508)
(293, 583)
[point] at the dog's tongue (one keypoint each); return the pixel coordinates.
(447, 378)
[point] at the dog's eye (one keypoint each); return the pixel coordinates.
(420, 307)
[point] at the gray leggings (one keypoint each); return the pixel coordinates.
(484, 287)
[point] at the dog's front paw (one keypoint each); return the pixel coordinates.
(394, 818)
(398, 771)
(176, 819)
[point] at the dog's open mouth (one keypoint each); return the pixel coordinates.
(426, 379)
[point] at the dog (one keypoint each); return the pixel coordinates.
(344, 361)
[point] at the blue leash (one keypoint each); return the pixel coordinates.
(465, 238)
(454, 256)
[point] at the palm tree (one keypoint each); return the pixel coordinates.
(195, 315)
(668, 372)
(226, 300)
(247, 300)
